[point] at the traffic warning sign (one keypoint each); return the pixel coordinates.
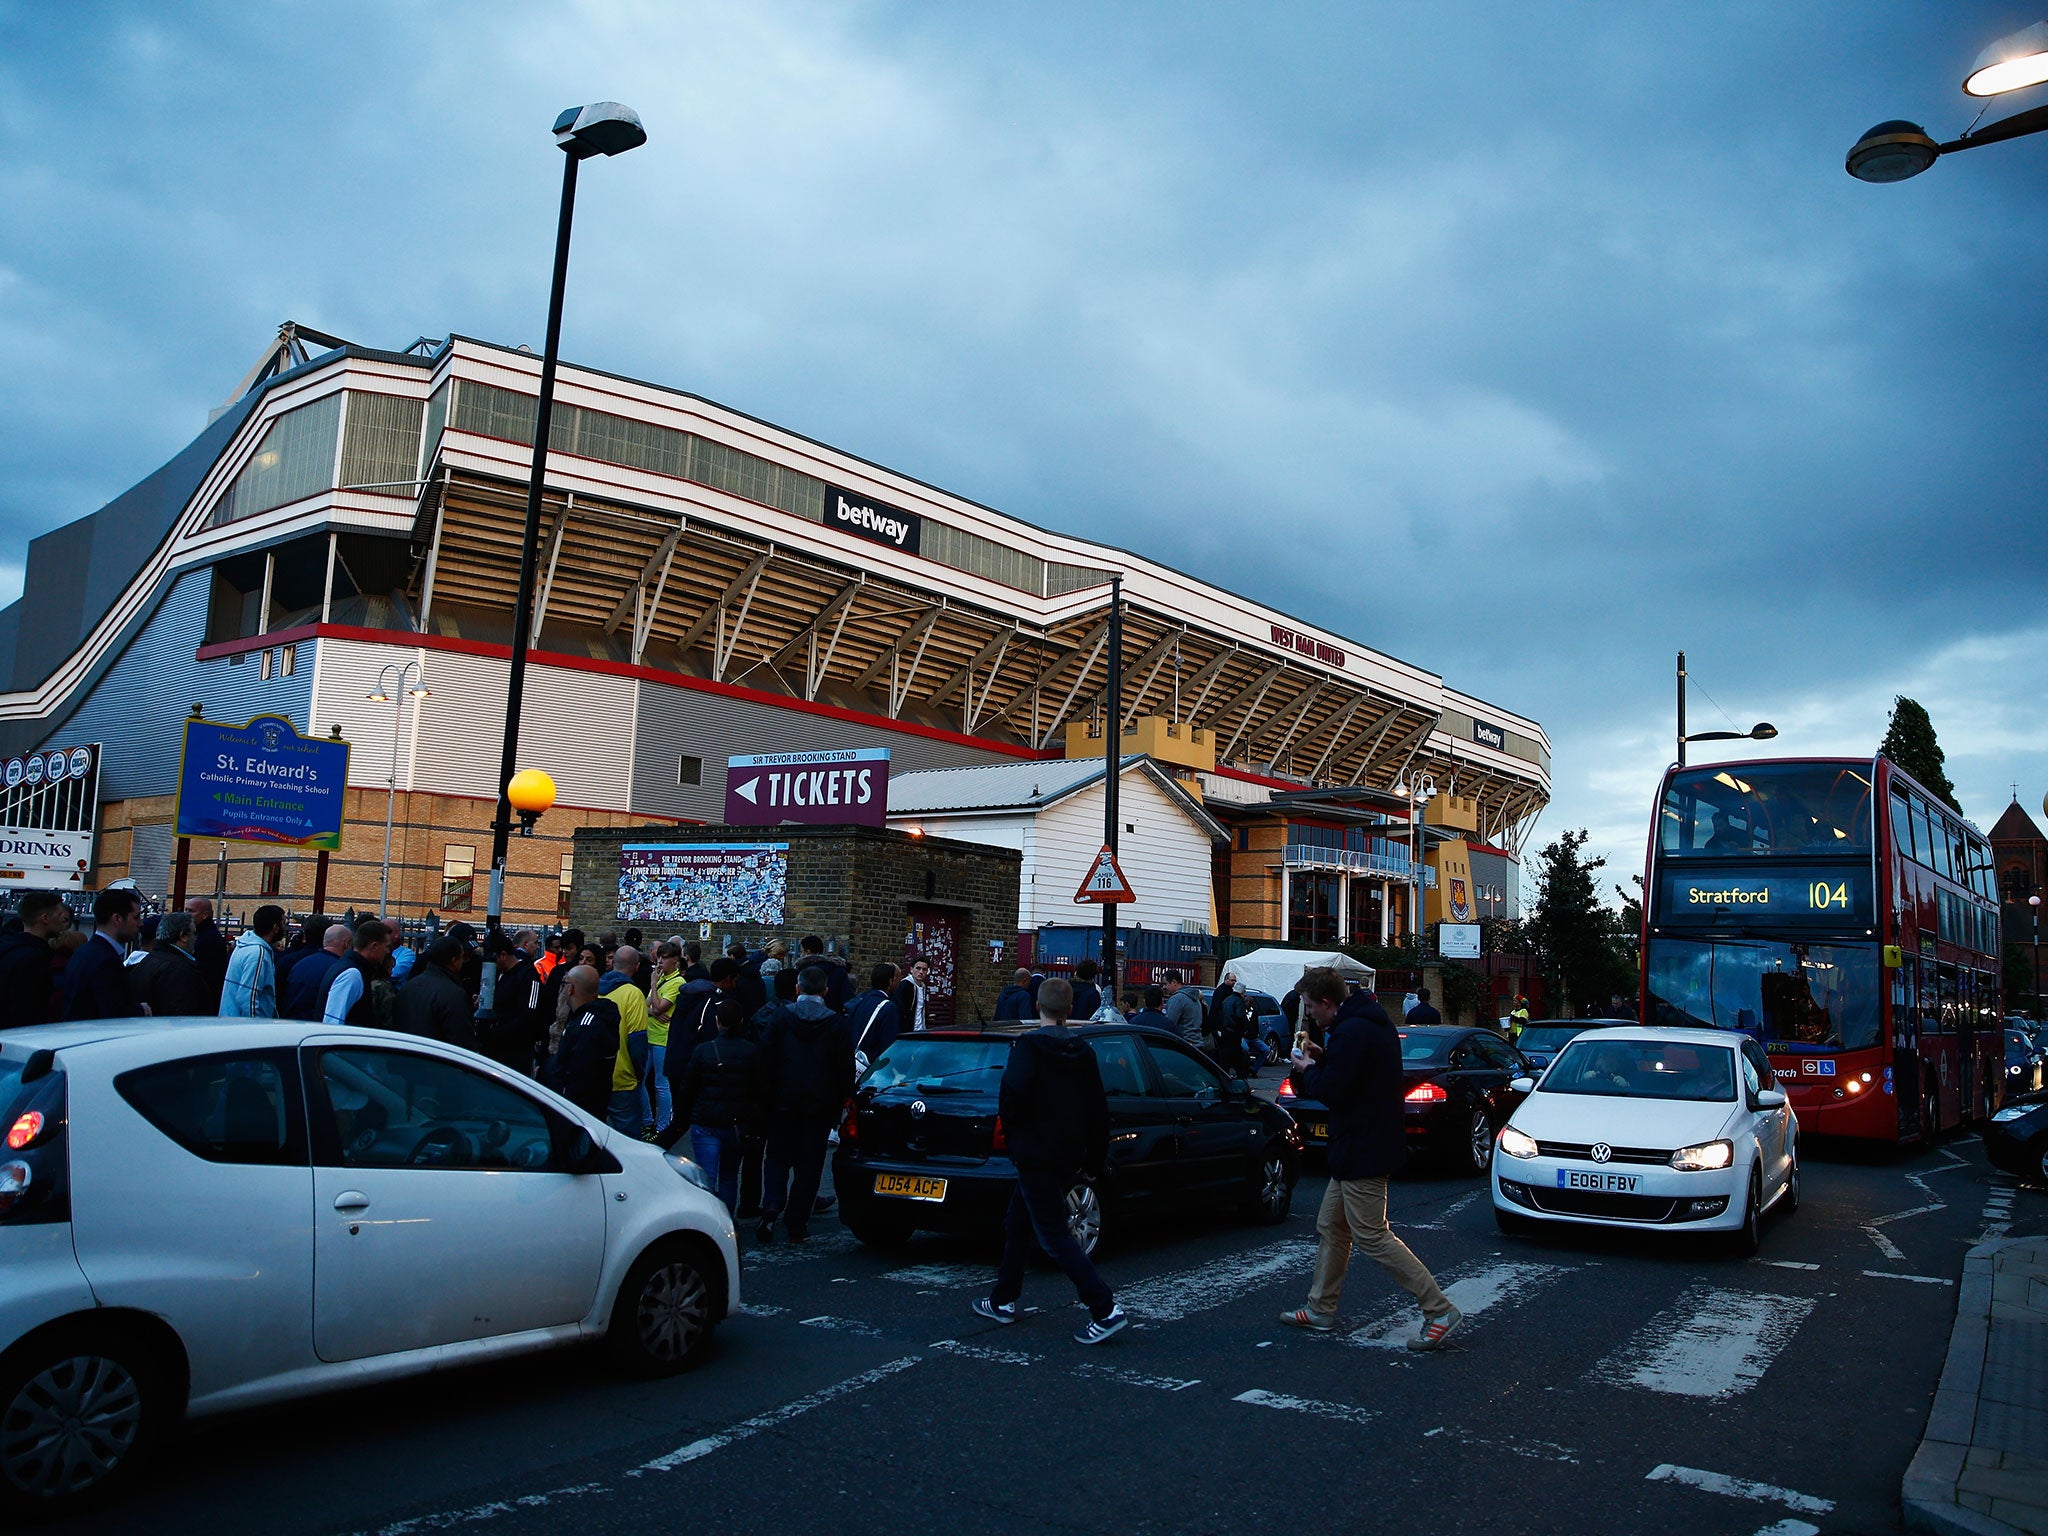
(1105, 881)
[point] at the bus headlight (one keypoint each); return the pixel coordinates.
(1705, 1157)
(1517, 1144)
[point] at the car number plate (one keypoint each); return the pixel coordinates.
(1617, 1183)
(910, 1186)
(1318, 1130)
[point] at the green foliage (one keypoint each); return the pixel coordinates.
(1464, 991)
(1909, 742)
(1577, 941)
(2019, 980)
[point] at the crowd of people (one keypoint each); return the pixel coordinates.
(1227, 1026)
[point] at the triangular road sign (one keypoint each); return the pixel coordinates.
(1105, 881)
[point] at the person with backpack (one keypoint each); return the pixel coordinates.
(876, 1023)
(719, 1097)
(807, 1073)
(1056, 1118)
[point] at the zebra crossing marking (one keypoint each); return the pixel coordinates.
(1739, 1488)
(1474, 1293)
(1182, 1293)
(1260, 1398)
(1711, 1343)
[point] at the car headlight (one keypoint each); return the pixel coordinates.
(1704, 1157)
(1517, 1143)
(692, 1172)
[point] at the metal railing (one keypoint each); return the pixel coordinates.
(1392, 865)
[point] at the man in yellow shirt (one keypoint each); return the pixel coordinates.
(631, 1065)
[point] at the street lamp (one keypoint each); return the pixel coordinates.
(1763, 730)
(602, 128)
(2034, 902)
(411, 680)
(1896, 150)
(1418, 795)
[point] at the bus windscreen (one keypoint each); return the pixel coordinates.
(1809, 996)
(1813, 809)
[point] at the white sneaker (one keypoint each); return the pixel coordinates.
(1101, 1328)
(995, 1312)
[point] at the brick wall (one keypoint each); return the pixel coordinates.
(854, 887)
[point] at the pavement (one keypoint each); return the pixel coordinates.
(1604, 1385)
(1982, 1468)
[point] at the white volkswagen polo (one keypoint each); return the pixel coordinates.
(1678, 1129)
(198, 1216)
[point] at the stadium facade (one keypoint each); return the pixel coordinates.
(709, 585)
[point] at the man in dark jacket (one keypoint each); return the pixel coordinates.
(1087, 996)
(95, 981)
(1056, 1119)
(807, 1072)
(311, 933)
(1422, 1016)
(25, 959)
(432, 1003)
(838, 973)
(718, 1098)
(519, 1026)
(166, 981)
(209, 952)
(582, 1067)
(1152, 1015)
(305, 994)
(1013, 1003)
(876, 1023)
(912, 997)
(1357, 1073)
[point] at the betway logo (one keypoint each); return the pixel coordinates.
(853, 514)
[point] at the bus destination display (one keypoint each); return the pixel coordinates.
(1810, 896)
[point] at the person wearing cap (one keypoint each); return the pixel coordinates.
(1518, 1017)
(516, 1031)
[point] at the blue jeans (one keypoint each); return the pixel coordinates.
(623, 1112)
(657, 1110)
(1038, 1211)
(717, 1150)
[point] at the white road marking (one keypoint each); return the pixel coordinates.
(1739, 1488)
(757, 1309)
(1442, 1220)
(1919, 1180)
(1885, 1245)
(985, 1352)
(1345, 1411)
(1789, 1528)
(1535, 1450)
(824, 1246)
(698, 1449)
(1473, 1294)
(1712, 1343)
(945, 1277)
(1135, 1378)
(1787, 1264)
(1888, 1274)
(842, 1325)
(1994, 1229)
(1170, 1297)
(442, 1520)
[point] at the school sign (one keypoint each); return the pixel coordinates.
(261, 783)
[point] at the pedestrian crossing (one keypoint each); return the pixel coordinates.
(1713, 1343)
(1476, 1290)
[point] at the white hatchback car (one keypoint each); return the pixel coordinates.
(1678, 1129)
(198, 1216)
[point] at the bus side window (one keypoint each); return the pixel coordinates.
(1902, 824)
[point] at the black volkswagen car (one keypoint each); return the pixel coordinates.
(922, 1148)
(1456, 1101)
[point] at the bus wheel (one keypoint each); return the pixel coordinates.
(1930, 1114)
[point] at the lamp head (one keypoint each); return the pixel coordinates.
(1892, 151)
(1763, 731)
(530, 790)
(602, 128)
(420, 691)
(380, 696)
(2011, 64)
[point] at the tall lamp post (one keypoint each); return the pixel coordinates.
(1896, 149)
(411, 681)
(1763, 730)
(602, 128)
(2034, 905)
(1418, 795)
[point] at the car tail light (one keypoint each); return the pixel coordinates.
(998, 1142)
(849, 1133)
(1426, 1093)
(26, 1128)
(1286, 1088)
(35, 1182)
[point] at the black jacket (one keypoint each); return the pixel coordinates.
(839, 988)
(1087, 998)
(1423, 1016)
(807, 1060)
(1014, 1002)
(432, 1004)
(1055, 1114)
(304, 996)
(904, 996)
(169, 980)
(96, 983)
(1360, 1079)
(582, 1069)
(721, 1085)
(751, 990)
(876, 1024)
(24, 979)
(210, 951)
(520, 1025)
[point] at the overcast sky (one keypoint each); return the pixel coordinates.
(1530, 342)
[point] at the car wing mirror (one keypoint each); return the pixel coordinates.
(1771, 1098)
(581, 1154)
(1522, 1084)
(1237, 1088)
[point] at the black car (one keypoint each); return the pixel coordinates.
(1541, 1039)
(1272, 1023)
(922, 1148)
(2017, 1141)
(1457, 1098)
(2022, 1063)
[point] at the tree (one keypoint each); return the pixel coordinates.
(1909, 742)
(1576, 938)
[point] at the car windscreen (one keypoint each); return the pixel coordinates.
(1419, 1047)
(1643, 1069)
(1547, 1037)
(941, 1066)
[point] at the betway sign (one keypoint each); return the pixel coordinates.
(876, 521)
(817, 788)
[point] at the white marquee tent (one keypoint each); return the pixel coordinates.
(1277, 970)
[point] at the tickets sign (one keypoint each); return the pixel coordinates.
(815, 788)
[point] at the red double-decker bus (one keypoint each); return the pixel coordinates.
(1843, 916)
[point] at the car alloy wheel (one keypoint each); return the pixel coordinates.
(2043, 1165)
(1276, 1190)
(1479, 1142)
(1791, 1196)
(1084, 1216)
(1747, 1238)
(69, 1428)
(672, 1311)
